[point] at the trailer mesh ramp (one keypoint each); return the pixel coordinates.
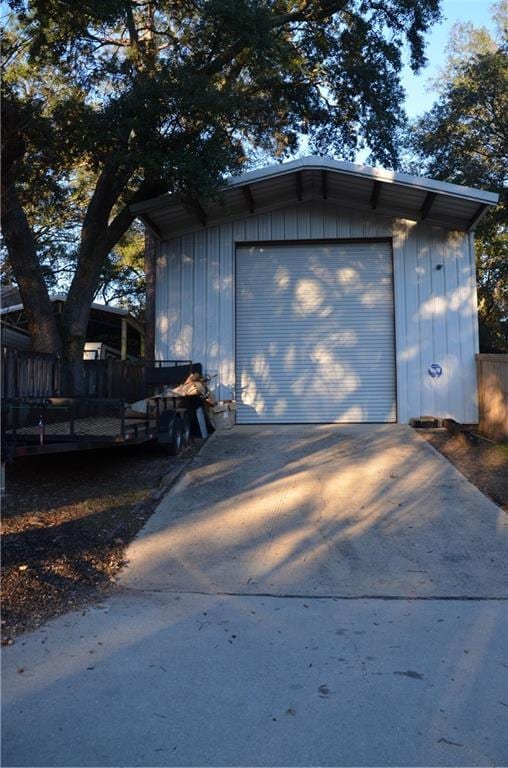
(93, 426)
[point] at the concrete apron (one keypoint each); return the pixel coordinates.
(334, 510)
(156, 676)
(198, 680)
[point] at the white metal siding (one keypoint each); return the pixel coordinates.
(196, 307)
(315, 333)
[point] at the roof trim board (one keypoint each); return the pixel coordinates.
(257, 184)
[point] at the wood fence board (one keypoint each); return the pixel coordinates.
(493, 395)
(28, 374)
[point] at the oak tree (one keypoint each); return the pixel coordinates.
(110, 103)
(464, 139)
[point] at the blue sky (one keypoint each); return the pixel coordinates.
(419, 94)
(419, 99)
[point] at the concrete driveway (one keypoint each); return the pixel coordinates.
(360, 510)
(329, 595)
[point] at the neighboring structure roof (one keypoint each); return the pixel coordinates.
(14, 337)
(5, 310)
(353, 186)
(9, 295)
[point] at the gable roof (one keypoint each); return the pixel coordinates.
(316, 178)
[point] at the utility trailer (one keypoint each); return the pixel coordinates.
(35, 426)
(41, 425)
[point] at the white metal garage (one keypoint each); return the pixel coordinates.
(281, 286)
(315, 333)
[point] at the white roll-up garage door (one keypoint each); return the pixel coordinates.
(315, 333)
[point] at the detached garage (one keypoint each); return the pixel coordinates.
(321, 291)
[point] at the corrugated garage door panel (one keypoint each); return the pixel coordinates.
(315, 333)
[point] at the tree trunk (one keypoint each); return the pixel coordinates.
(22, 252)
(98, 237)
(150, 295)
(76, 314)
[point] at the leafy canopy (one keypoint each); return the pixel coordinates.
(106, 103)
(464, 139)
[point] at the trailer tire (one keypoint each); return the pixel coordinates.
(186, 429)
(175, 444)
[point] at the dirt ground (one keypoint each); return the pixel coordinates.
(483, 463)
(66, 520)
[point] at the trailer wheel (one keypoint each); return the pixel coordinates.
(175, 444)
(186, 428)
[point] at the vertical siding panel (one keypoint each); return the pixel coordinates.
(454, 359)
(161, 300)
(469, 328)
(185, 340)
(278, 225)
(424, 310)
(356, 223)
(472, 414)
(411, 352)
(265, 226)
(316, 211)
(303, 222)
(174, 297)
(226, 320)
(239, 231)
(252, 227)
(200, 309)
(211, 360)
(474, 281)
(442, 384)
(384, 226)
(329, 221)
(166, 352)
(370, 225)
(239, 237)
(458, 304)
(290, 222)
(343, 223)
(399, 244)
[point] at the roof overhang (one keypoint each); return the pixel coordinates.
(360, 187)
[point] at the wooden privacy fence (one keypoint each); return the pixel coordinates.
(493, 395)
(27, 374)
(115, 378)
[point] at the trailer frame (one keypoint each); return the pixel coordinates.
(38, 426)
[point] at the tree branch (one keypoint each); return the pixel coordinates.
(306, 13)
(328, 8)
(124, 218)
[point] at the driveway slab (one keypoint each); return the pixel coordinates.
(196, 680)
(344, 510)
(279, 658)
